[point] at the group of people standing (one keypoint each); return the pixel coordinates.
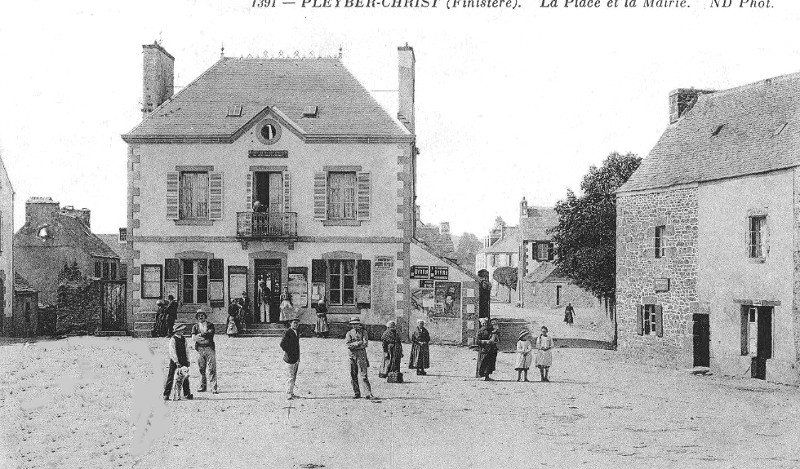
(203, 337)
(166, 315)
(488, 339)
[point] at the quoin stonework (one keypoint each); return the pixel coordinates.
(708, 235)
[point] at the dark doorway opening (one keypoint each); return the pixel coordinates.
(268, 190)
(763, 322)
(702, 340)
(271, 271)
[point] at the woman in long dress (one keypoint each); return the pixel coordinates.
(287, 309)
(420, 351)
(321, 329)
(487, 340)
(544, 357)
(392, 350)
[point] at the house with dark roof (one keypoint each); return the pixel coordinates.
(52, 237)
(502, 252)
(708, 231)
(284, 170)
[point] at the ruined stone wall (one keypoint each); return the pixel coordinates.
(638, 215)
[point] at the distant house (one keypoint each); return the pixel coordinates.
(502, 252)
(53, 237)
(6, 251)
(118, 242)
(708, 235)
(26, 308)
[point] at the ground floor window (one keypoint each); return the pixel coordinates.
(195, 281)
(650, 320)
(151, 281)
(341, 281)
(105, 269)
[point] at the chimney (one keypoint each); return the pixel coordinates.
(405, 110)
(40, 210)
(158, 77)
(82, 214)
(444, 228)
(523, 208)
(682, 100)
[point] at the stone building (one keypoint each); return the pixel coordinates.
(52, 237)
(26, 309)
(282, 170)
(502, 250)
(6, 251)
(708, 270)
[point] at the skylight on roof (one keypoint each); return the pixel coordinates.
(310, 111)
(235, 110)
(717, 130)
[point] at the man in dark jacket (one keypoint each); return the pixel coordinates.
(203, 335)
(290, 343)
(171, 312)
(178, 356)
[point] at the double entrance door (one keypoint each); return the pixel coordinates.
(270, 271)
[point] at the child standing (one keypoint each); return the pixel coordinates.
(544, 357)
(524, 355)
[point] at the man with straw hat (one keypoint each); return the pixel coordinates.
(356, 341)
(290, 344)
(178, 357)
(203, 335)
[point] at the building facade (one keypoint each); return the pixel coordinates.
(501, 249)
(6, 251)
(285, 170)
(708, 271)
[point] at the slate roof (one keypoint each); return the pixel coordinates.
(441, 244)
(510, 243)
(546, 272)
(21, 285)
(67, 231)
(345, 107)
(760, 132)
(112, 241)
(535, 226)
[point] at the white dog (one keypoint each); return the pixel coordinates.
(181, 373)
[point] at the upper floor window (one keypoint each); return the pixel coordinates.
(659, 241)
(193, 195)
(544, 251)
(756, 237)
(342, 196)
(650, 320)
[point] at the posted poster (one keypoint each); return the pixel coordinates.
(298, 286)
(422, 300)
(447, 300)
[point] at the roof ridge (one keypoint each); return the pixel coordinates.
(754, 84)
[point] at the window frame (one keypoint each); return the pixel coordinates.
(342, 205)
(756, 239)
(649, 319)
(341, 275)
(659, 239)
(144, 290)
(195, 275)
(181, 194)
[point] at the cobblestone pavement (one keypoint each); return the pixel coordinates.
(91, 402)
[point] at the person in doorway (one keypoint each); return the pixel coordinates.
(487, 349)
(244, 303)
(569, 314)
(357, 342)
(290, 344)
(160, 321)
(544, 357)
(171, 312)
(203, 336)
(178, 357)
(420, 350)
(484, 294)
(287, 308)
(321, 328)
(264, 295)
(524, 355)
(392, 350)
(258, 207)
(233, 326)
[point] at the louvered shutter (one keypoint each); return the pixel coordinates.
(363, 187)
(659, 321)
(249, 192)
(287, 192)
(320, 196)
(172, 270)
(215, 193)
(744, 327)
(364, 272)
(550, 252)
(640, 320)
(216, 274)
(319, 271)
(172, 195)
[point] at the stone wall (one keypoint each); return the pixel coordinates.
(637, 268)
(543, 295)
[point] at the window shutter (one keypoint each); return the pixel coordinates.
(249, 192)
(215, 192)
(172, 195)
(659, 321)
(550, 252)
(216, 269)
(364, 270)
(319, 271)
(744, 327)
(640, 320)
(287, 192)
(172, 270)
(363, 183)
(320, 196)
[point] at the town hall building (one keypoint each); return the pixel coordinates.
(708, 235)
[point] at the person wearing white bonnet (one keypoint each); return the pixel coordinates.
(357, 341)
(420, 351)
(392, 350)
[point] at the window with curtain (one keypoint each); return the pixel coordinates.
(195, 281)
(341, 282)
(341, 196)
(194, 195)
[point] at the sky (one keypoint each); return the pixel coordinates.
(510, 103)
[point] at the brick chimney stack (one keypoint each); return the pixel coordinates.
(158, 77)
(82, 214)
(523, 208)
(406, 62)
(40, 210)
(444, 228)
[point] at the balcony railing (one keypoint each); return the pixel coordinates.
(258, 225)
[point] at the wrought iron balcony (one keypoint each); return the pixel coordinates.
(266, 225)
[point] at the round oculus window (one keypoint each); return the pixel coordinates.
(268, 132)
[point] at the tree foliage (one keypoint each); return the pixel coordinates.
(468, 247)
(585, 237)
(506, 276)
